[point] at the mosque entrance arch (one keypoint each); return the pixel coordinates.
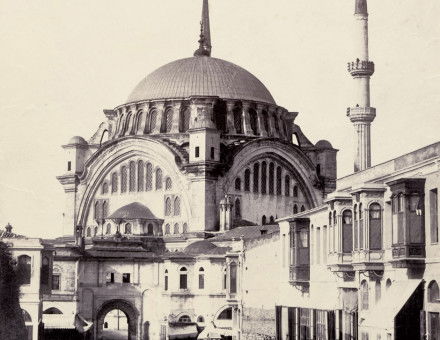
(121, 317)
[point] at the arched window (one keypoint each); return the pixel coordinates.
(97, 210)
(271, 220)
(279, 180)
(167, 206)
(167, 229)
(361, 228)
(238, 120)
(108, 229)
(247, 180)
(104, 209)
(253, 121)
(168, 121)
(364, 295)
(237, 209)
(176, 228)
(295, 191)
(200, 319)
(127, 228)
(177, 206)
(225, 279)
(375, 216)
(104, 189)
(168, 184)
(52, 310)
(388, 284)
(263, 220)
(347, 232)
(238, 184)
(226, 314)
(124, 179)
(158, 178)
(126, 124)
(183, 278)
(44, 274)
(24, 270)
(95, 231)
(335, 221)
(263, 178)
(433, 292)
(378, 290)
(355, 227)
(271, 177)
(277, 124)
(141, 176)
(287, 185)
(166, 280)
(233, 278)
(303, 208)
(295, 209)
(256, 176)
(185, 319)
(201, 278)
(184, 119)
(89, 232)
(152, 121)
(114, 182)
(148, 177)
(330, 218)
(185, 228)
(266, 122)
(132, 185)
(150, 229)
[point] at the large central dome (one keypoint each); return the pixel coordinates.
(201, 76)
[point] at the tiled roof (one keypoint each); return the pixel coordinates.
(133, 211)
(201, 76)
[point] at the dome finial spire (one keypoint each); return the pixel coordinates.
(205, 33)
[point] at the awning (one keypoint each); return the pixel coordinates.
(59, 321)
(81, 324)
(213, 333)
(182, 331)
(382, 315)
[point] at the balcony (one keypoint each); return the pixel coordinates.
(408, 227)
(299, 269)
(360, 68)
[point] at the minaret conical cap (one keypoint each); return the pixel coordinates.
(361, 7)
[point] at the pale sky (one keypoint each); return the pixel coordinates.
(63, 62)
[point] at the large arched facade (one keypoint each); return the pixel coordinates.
(127, 308)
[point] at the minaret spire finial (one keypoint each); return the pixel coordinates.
(205, 33)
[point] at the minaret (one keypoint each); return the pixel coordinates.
(361, 114)
(205, 33)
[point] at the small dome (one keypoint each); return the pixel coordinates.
(200, 247)
(133, 211)
(77, 140)
(201, 76)
(323, 144)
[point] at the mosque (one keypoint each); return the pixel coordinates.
(198, 184)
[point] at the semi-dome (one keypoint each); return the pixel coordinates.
(201, 76)
(133, 211)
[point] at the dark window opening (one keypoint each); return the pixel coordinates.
(69, 165)
(56, 282)
(212, 152)
(197, 152)
(126, 278)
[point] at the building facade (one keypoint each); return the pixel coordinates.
(155, 200)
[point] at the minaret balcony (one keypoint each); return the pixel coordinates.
(361, 114)
(361, 68)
